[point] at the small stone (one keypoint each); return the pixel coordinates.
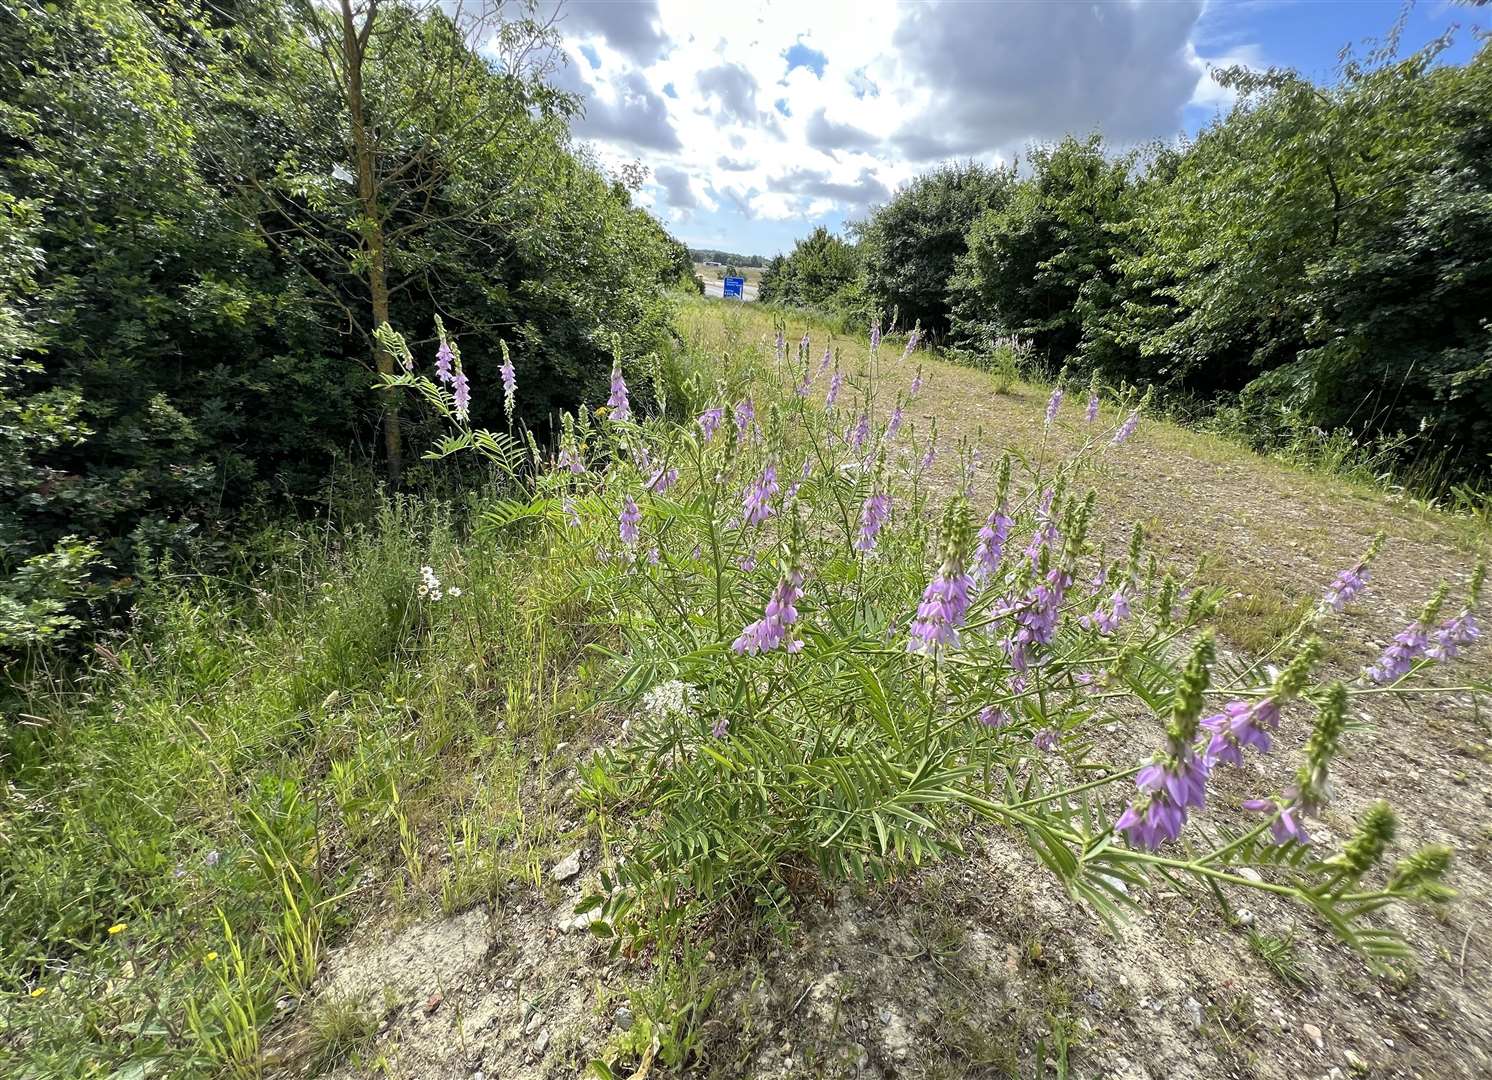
(433, 1002)
(534, 1023)
(1244, 917)
(542, 1042)
(624, 1019)
(1314, 1034)
(1194, 1013)
(1251, 874)
(567, 867)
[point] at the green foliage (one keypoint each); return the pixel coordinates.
(185, 329)
(911, 245)
(820, 272)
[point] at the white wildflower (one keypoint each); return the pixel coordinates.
(430, 584)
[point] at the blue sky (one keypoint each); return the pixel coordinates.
(760, 121)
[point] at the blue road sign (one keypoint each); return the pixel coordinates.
(733, 287)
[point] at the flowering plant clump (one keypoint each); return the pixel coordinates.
(864, 688)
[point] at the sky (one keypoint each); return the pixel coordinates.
(758, 121)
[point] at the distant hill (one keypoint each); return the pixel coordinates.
(711, 255)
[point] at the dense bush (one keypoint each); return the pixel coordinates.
(188, 296)
(820, 272)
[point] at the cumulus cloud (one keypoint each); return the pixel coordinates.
(730, 164)
(997, 75)
(734, 88)
(824, 134)
(631, 27)
(675, 183)
(625, 110)
(863, 191)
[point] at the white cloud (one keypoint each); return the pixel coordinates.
(879, 90)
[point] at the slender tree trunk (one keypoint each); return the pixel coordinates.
(353, 47)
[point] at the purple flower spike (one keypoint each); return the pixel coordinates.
(628, 521)
(1052, 405)
(1092, 413)
(873, 515)
(1127, 428)
(945, 602)
(1451, 635)
(757, 504)
(1046, 740)
(861, 432)
(461, 393)
(745, 418)
(826, 360)
(835, 382)
(894, 424)
(662, 480)
(443, 357)
(1408, 645)
(916, 387)
(772, 629)
(510, 384)
(621, 408)
(709, 420)
(1345, 588)
(991, 545)
(875, 335)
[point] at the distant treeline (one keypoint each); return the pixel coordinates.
(205, 211)
(1320, 258)
(726, 258)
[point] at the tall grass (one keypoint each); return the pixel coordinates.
(189, 821)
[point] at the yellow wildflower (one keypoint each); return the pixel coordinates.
(118, 928)
(39, 991)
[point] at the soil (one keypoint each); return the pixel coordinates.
(983, 966)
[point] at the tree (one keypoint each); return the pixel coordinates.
(910, 245)
(1040, 264)
(407, 101)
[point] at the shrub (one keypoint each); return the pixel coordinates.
(798, 713)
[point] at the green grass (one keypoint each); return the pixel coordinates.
(214, 786)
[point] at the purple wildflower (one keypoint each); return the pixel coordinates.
(768, 632)
(571, 460)
(1052, 405)
(663, 479)
(510, 383)
(894, 424)
(720, 726)
(1107, 620)
(1036, 617)
(443, 357)
(1169, 785)
(992, 717)
(1345, 588)
(461, 393)
(1092, 413)
(1046, 739)
(570, 515)
(875, 335)
(1286, 826)
(1127, 428)
(912, 340)
(929, 457)
(945, 601)
(621, 408)
(806, 385)
(873, 515)
(628, 521)
(991, 544)
(757, 504)
(1046, 535)
(1240, 725)
(835, 383)
(781, 346)
(861, 432)
(826, 360)
(745, 417)
(1408, 645)
(1452, 634)
(916, 387)
(709, 420)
